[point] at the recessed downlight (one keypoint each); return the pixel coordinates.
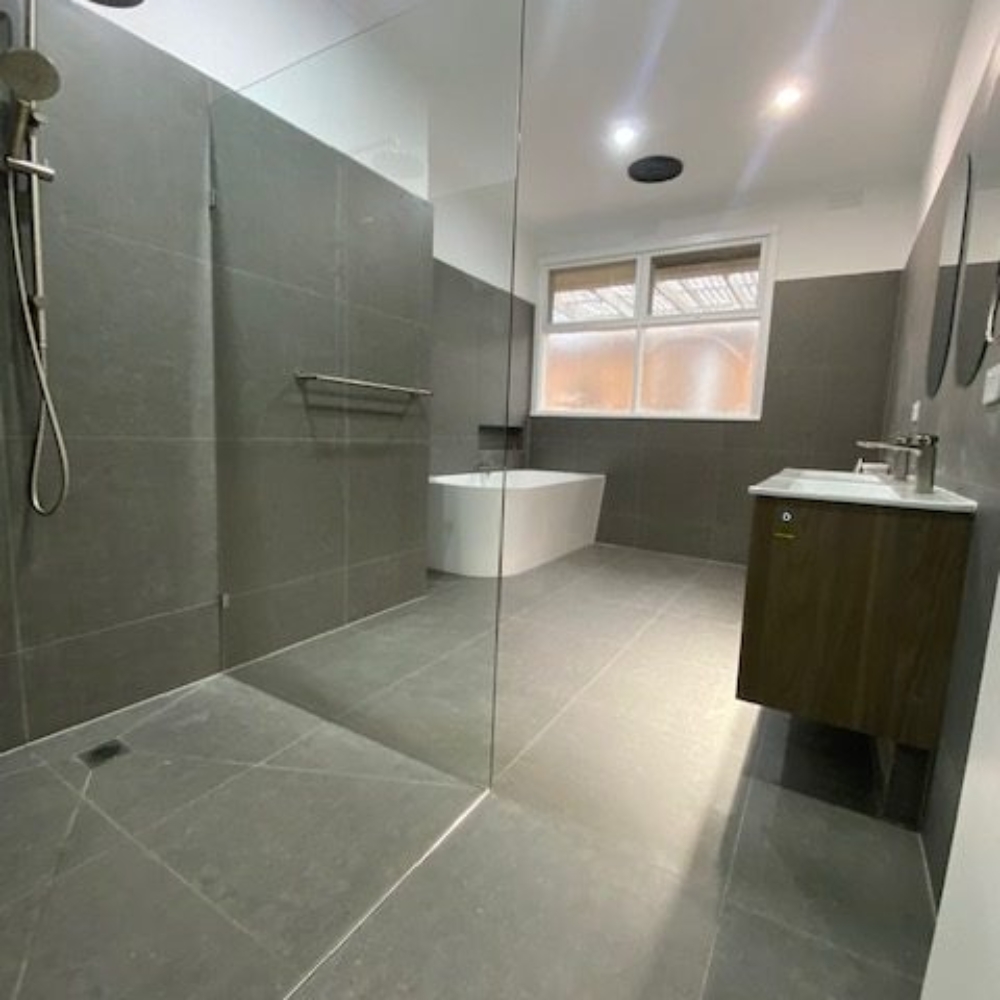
(624, 135)
(656, 169)
(117, 3)
(787, 98)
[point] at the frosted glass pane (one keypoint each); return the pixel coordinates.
(701, 369)
(590, 371)
(696, 284)
(595, 292)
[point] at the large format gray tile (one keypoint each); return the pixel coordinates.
(323, 222)
(441, 714)
(385, 245)
(151, 184)
(138, 538)
(662, 794)
(755, 959)
(138, 788)
(387, 503)
(45, 830)
(298, 857)
(259, 622)
(385, 583)
(12, 731)
(847, 879)
(61, 751)
(539, 670)
(282, 511)
(279, 193)
(591, 615)
(123, 926)
(223, 720)
(384, 348)
(265, 332)
(513, 906)
(133, 326)
(330, 674)
(78, 679)
(336, 750)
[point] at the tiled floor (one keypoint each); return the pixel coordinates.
(648, 836)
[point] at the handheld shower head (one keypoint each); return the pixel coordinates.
(31, 77)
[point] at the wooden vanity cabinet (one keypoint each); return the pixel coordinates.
(851, 612)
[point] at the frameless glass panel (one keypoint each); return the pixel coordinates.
(590, 371)
(363, 247)
(601, 291)
(704, 369)
(698, 284)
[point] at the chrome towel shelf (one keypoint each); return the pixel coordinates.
(360, 383)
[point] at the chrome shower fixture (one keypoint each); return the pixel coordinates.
(30, 78)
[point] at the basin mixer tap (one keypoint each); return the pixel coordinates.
(921, 448)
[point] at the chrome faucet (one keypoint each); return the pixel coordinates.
(920, 448)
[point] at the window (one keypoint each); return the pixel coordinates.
(675, 333)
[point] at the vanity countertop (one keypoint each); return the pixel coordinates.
(867, 488)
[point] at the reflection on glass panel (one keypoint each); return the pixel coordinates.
(590, 371)
(715, 281)
(700, 369)
(598, 291)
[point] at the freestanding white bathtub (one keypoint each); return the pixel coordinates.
(547, 515)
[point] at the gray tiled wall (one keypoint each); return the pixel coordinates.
(471, 322)
(320, 266)
(680, 486)
(117, 592)
(969, 462)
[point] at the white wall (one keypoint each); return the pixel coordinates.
(965, 958)
(238, 42)
(978, 43)
(814, 239)
(473, 232)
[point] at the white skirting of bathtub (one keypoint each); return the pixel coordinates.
(547, 515)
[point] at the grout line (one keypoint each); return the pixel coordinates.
(574, 699)
(160, 862)
(446, 835)
(724, 894)
(827, 943)
(423, 668)
(117, 626)
(47, 886)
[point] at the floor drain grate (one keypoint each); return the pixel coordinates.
(103, 753)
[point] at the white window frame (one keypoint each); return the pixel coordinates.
(644, 319)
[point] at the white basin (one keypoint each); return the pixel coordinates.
(859, 488)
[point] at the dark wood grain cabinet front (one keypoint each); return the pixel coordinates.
(851, 613)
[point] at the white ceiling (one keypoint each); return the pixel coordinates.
(698, 76)
(695, 75)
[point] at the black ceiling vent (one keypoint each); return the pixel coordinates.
(655, 169)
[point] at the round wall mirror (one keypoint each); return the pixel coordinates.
(977, 311)
(955, 191)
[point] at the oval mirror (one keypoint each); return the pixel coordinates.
(955, 190)
(974, 330)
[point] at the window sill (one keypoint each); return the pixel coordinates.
(731, 418)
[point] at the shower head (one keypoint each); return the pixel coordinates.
(117, 3)
(30, 75)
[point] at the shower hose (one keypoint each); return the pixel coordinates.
(47, 415)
